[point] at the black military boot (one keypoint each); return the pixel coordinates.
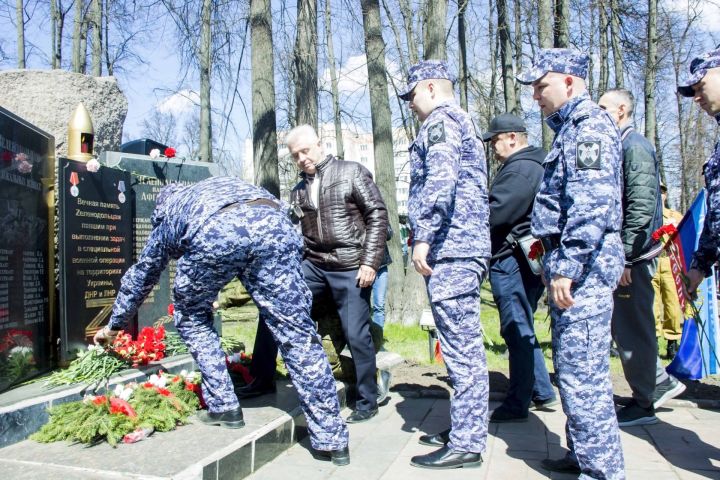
(230, 419)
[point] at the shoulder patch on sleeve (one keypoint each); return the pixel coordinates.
(588, 155)
(436, 133)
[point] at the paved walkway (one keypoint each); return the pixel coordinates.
(684, 445)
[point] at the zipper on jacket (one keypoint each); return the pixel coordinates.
(318, 178)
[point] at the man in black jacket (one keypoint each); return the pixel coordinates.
(515, 287)
(344, 226)
(633, 320)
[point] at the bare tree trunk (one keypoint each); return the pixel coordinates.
(383, 147)
(83, 45)
(77, 32)
(20, 19)
(463, 67)
(54, 61)
(518, 51)
(263, 98)
(651, 72)
(306, 96)
(97, 38)
(333, 82)
(506, 57)
(434, 29)
(545, 39)
(617, 49)
(603, 85)
(492, 40)
(205, 65)
(408, 15)
(109, 65)
(562, 31)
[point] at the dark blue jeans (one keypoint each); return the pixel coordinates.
(516, 291)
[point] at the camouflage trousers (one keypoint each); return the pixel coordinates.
(581, 357)
(261, 247)
(454, 291)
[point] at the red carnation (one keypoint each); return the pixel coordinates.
(99, 400)
(536, 250)
(171, 309)
(170, 152)
(164, 391)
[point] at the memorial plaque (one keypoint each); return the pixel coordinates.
(148, 176)
(26, 156)
(95, 248)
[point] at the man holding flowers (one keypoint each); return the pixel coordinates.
(218, 229)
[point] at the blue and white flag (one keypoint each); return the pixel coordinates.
(697, 355)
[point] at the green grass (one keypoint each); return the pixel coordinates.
(411, 342)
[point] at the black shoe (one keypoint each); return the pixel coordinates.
(255, 389)
(230, 419)
(436, 439)
(445, 458)
(666, 390)
(672, 349)
(339, 457)
(561, 465)
(633, 414)
(503, 415)
(358, 416)
(549, 404)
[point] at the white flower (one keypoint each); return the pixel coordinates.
(92, 166)
(190, 377)
(155, 153)
(183, 373)
(20, 350)
(24, 167)
(158, 381)
(123, 392)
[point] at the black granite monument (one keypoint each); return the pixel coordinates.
(26, 157)
(95, 248)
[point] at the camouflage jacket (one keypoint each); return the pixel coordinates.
(448, 201)
(580, 196)
(180, 212)
(707, 251)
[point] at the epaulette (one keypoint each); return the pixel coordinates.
(580, 118)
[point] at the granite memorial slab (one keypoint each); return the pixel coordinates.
(26, 159)
(95, 249)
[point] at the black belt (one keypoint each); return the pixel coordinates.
(252, 203)
(550, 243)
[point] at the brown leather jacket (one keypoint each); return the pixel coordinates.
(349, 227)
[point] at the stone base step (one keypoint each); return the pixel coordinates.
(23, 410)
(195, 451)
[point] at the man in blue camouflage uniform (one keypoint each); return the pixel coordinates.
(448, 211)
(578, 217)
(220, 228)
(704, 86)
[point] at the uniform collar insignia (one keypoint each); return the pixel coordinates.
(557, 119)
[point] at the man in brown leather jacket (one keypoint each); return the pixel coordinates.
(344, 224)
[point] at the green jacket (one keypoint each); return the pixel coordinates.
(642, 203)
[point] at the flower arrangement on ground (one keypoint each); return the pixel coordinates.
(98, 363)
(129, 413)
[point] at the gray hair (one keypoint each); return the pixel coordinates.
(301, 131)
(626, 97)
